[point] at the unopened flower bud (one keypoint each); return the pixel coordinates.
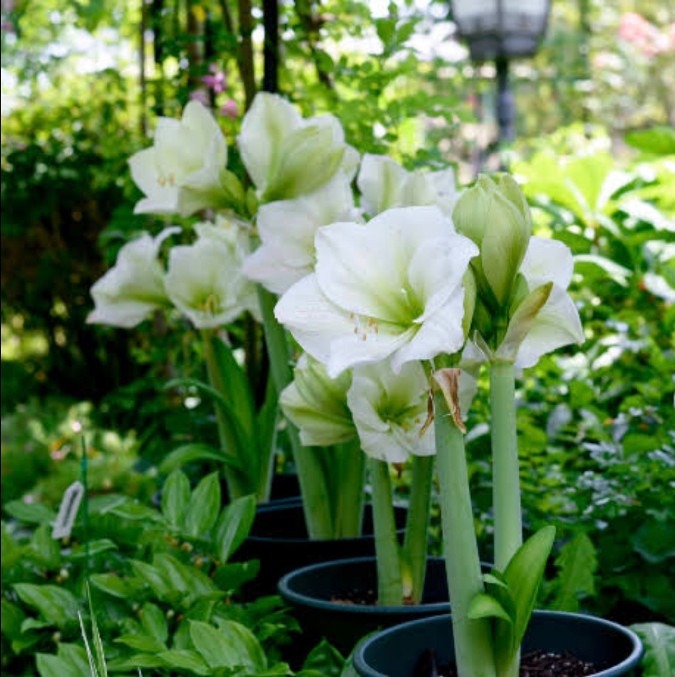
(494, 214)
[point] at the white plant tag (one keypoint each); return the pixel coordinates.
(70, 504)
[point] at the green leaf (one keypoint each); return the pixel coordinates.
(188, 453)
(124, 588)
(56, 605)
(232, 576)
(49, 665)
(92, 548)
(150, 575)
(31, 513)
(44, 549)
(175, 497)
(233, 526)
(654, 541)
(523, 576)
(232, 645)
(184, 659)
(325, 659)
(613, 270)
(659, 643)
(153, 622)
(203, 507)
(486, 606)
(142, 643)
(658, 140)
(11, 617)
(577, 564)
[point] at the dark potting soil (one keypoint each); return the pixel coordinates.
(533, 664)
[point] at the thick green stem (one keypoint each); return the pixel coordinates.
(473, 650)
(350, 497)
(505, 479)
(387, 551)
(417, 523)
(313, 486)
(236, 485)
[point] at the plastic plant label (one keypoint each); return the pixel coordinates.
(70, 504)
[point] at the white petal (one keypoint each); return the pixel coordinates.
(547, 260)
(312, 319)
(556, 325)
(266, 267)
(161, 197)
(441, 333)
(379, 180)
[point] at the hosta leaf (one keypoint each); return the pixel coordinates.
(232, 645)
(175, 497)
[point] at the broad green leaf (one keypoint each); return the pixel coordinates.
(232, 645)
(124, 588)
(11, 617)
(654, 541)
(73, 654)
(232, 576)
(150, 575)
(134, 511)
(233, 526)
(486, 606)
(31, 513)
(92, 548)
(142, 643)
(325, 660)
(523, 576)
(183, 659)
(44, 549)
(56, 605)
(613, 270)
(183, 578)
(153, 622)
(576, 568)
(203, 507)
(659, 643)
(188, 453)
(49, 665)
(658, 140)
(175, 497)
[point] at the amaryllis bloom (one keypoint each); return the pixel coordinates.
(390, 411)
(287, 155)
(317, 404)
(390, 288)
(204, 280)
(182, 171)
(557, 324)
(385, 184)
(133, 288)
(287, 230)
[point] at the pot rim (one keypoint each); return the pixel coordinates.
(632, 660)
(288, 593)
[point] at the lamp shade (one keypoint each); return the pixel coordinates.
(500, 28)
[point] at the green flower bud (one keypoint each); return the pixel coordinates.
(494, 214)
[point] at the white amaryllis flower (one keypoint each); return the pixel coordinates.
(392, 287)
(557, 323)
(287, 155)
(317, 404)
(390, 411)
(287, 229)
(385, 184)
(133, 288)
(182, 171)
(204, 280)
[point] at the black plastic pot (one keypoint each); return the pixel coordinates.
(320, 595)
(279, 540)
(395, 652)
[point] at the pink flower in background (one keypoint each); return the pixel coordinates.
(229, 109)
(216, 79)
(635, 29)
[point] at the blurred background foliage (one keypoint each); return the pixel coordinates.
(82, 85)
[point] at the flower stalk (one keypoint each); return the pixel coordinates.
(508, 534)
(387, 549)
(472, 637)
(313, 485)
